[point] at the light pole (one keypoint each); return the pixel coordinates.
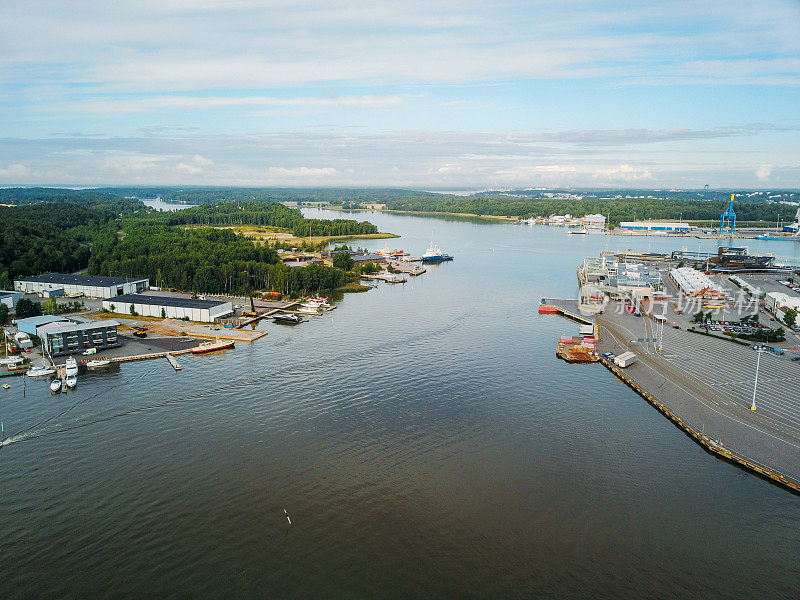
(755, 383)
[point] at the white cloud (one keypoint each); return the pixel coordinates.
(623, 173)
(763, 172)
(15, 173)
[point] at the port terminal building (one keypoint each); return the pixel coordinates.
(653, 226)
(91, 286)
(170, 307)
(696, 284)
(779, 303)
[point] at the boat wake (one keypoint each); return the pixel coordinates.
(52, 425)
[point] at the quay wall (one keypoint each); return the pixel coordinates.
(709, 444)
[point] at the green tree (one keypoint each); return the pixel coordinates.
(698, 316)
(50, 305)
(790, 317)
(3, 313)
(343, 261)
(133, 310)
(163, 313)
(26, 308)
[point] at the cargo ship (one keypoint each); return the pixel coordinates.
(213, 346)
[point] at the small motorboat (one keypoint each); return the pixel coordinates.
(90, 351)
(11, 361)
(100, 362)
(288, 319)
(308, 310)
(39, 371)
(6, 386)
(71, 366)
(71, 381)
(213, 346)
(55, 386)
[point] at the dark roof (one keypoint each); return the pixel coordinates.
(66, 279)
(125, 299)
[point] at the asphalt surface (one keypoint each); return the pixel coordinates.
(709, 382)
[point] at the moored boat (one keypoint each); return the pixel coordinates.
(213, 346)
(308, 310)
(288, 319)
(55, 386)
(39, 371)
(71, 366)
(71, 381)
(434, 255)
(100, 362)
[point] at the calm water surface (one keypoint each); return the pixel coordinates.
(424, 440)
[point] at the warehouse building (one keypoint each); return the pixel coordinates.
(76, 285)
(653, 226)
(695, 284)
(10, 298)
(173, 308)
(72, 338)
(779, 303)
(31, 325)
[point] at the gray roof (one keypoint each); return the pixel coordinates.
(125, 299)
(68, 279)
(40, 320)
(6, 293)
(54, 328)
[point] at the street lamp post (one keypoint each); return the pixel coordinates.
(755, 383)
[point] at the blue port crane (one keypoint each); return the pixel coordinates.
(730, 216)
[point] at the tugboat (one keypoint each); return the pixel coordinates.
(434, 255)
(288, 319)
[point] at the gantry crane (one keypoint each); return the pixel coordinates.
(730, 215)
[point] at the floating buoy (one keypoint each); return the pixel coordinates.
(287, 516)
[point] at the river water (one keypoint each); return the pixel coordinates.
(423, 438)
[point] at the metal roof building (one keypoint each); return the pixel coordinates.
(70, 338)
(31, 324)
(92, 286)
(174, 308)
(10, 298)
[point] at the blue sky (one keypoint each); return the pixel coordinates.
(428, 94)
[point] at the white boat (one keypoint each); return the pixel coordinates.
(11, 361)
(582, 231)
(93, 364)
(55, 386)
(23, 340)
(71, 366)
(39, 371)
(90, 351)
(317, 302)
(71, 381)
(308, 310)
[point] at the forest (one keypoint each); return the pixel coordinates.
(42, 238)
(616, 209)
(142, 242)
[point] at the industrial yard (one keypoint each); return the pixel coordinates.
(689, 332)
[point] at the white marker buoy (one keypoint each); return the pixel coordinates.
(287, 516)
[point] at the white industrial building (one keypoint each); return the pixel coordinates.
(91, 286)
(173, 308)
(10, 298)
(695, 284)
(779, 303)
(594, 222)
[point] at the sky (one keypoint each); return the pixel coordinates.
(447, 94)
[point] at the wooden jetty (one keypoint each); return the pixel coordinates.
(173, 362)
